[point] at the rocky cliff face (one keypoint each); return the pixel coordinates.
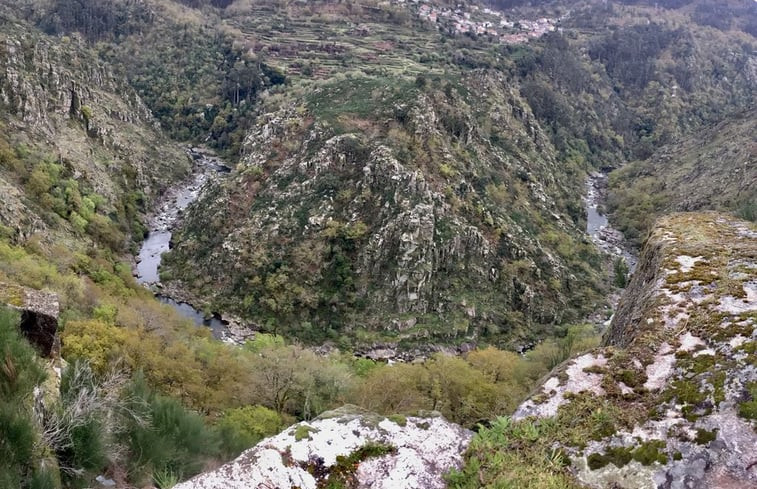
(39, 316)
(405, 219)
(677, 376)
(347, 448)
(61, 103)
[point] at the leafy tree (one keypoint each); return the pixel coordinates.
(620, 271)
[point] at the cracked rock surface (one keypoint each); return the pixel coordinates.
(423, 450)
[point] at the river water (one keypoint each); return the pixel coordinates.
(161, 225)
(607, 238)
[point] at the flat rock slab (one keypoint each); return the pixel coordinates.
(423, 450)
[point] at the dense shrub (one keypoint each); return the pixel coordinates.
(165, 437)
(20, 372)
(241, 428)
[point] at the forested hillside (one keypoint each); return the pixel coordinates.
(713, 168)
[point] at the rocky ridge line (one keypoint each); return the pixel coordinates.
(678, 365)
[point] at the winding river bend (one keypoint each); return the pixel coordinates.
(161, 225)
(207, 166)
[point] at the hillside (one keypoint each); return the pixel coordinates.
(427, 189)
(715, 168)
(81, 154)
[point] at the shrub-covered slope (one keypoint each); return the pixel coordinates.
(715, 168)
(440, 201)
(364, 207)
(79, 152)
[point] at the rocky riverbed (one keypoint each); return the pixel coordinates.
(175, 201)
(161, 225)
(607, 238)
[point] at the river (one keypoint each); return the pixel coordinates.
(607, 238)
(161, 225)
(176, 200)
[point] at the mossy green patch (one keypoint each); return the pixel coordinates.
(342, 473)
(686, 391)
(631, 378)
(303, 431)
(705, 436)
(748, 409)
(646, 454)
(398, 419)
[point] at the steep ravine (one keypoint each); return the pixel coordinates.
(161, 225)
(607, 238)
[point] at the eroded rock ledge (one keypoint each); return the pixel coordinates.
(39, 316)
(678, 372)
(392, 453)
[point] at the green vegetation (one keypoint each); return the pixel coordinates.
(20, 372)
(481, 385)
(646, 454)
(748, 409)
(509, 455)
(342, 474)
(398, 419)
(680, 176)
(302, 432)
(64, 200)
(620, 270)
(705, 436)
(167, 438)
(243, 427)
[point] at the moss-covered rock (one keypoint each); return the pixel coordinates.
(347, 447)
(673, 363)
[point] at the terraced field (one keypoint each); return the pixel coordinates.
(319, 46)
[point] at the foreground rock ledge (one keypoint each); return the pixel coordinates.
(678, 365)
(39, 316)
(423, 450)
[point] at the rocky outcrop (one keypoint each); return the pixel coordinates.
(39, 316)
(347, 446)
(677, 370)
(410, 224)
(65, 105)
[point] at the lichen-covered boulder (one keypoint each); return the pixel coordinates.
(674, 390)
(347, 446)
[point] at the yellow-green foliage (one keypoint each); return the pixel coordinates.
(98, 342)
(484, 384)
(243, 427)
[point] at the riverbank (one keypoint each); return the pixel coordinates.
(161, 225)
